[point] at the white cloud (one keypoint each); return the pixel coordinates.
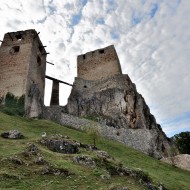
(152, 39)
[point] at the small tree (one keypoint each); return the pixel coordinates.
(93, 133)
(182, 141)
(172, 153)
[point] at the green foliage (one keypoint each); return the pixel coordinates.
(90, 117)
(172, 153)
(93, 133)
(182, 141)
(12, 105)
(97, 172)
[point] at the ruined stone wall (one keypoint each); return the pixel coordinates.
(22, 68)
(98, 64)
(36, 79)
(121, 111)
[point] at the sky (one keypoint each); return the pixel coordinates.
(151, 37)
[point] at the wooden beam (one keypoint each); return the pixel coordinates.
(51, 78)
(36, 35)
(45, 53)
(50, 63)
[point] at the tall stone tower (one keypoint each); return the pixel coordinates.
(22, 69)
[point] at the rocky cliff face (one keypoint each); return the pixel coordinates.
(115, 102)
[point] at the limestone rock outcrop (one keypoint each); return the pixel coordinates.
(12, 134)
(115, 102)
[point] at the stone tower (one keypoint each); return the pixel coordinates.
(22, 69)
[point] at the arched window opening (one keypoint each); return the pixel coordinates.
(14, 49)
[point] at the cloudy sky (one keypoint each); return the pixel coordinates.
(152, 39)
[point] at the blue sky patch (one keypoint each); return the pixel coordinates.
(76, 19)
(100, 21)
(182, 117)
(136, 20)
(42, 20)
(84, 2)
(153, 10)
(114, 35)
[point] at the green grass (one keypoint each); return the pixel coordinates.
(23, 177)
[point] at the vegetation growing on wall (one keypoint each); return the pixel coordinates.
(12, 105)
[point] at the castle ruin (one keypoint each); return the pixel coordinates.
(100, 91)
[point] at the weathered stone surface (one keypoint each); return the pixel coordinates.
(102, 154)
(102, 92)
(98, 64)
(12, 134)
(55, 171)
(85, 160)
(40, 160)
(23, 65)
(182, 161)
(60, 145)
(115, 103)
(16, 160)
(145, 140)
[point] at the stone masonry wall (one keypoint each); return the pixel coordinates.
(116, 104)
(98, 64)
(36, 79)
(14, 62)
(22, 69)
(144, 140)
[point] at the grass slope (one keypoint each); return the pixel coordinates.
(24, 177)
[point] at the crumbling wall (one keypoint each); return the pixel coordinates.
(98, 64)
(35, 79)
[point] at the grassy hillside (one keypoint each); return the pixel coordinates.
(27, 176)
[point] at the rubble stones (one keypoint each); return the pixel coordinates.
(106, 177)
(12, 134)
(40, 160)
(32, 149)
(54, 171)
(16, 160)
(85, 160)
(102, 154)
(60, 145)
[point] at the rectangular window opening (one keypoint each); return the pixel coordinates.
(101, 51)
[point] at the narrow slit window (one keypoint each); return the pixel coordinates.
(84, 57)
(39, 61)
(41, 48)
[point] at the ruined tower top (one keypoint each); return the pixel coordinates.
(98, 64)
(21, 37)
